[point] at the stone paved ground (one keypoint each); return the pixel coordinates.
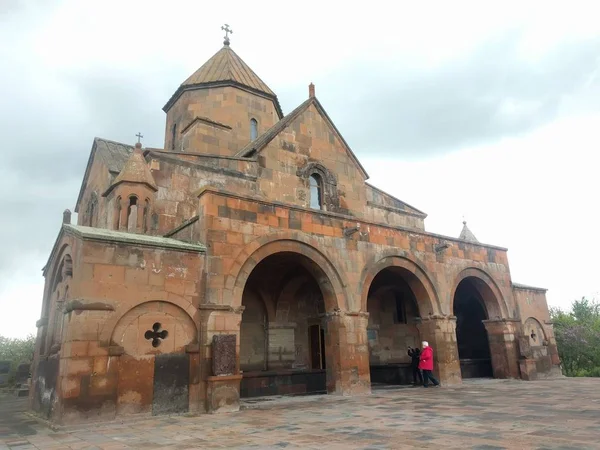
(482, 414)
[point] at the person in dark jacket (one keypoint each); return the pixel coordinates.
(415, 355)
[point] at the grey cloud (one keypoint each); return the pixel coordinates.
(489, 94)
(47, 135)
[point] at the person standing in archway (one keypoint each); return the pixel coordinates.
(426, 365)
(415, 355)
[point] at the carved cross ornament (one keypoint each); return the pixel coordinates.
(155, 335)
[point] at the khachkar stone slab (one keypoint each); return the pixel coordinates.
(4, 369)
(22, 374)
(223, 354)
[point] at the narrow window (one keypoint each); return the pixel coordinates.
(146, 213)
(174, 132)
(316, 192)
(118, 214)
(400, 309)
(253, 129)
(132, 214)
(92, 212)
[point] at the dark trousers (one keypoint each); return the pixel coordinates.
(428, 375)
(417, 374)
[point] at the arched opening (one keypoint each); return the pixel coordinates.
(283, 328)
(392, 329)
(253, 129)
(132, 212)
(316, 191)
(472, 340)
(117, 217)
(146, 215)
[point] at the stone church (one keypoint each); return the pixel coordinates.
(251, 257)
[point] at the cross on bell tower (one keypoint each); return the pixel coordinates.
(139, 136)
(227, 31)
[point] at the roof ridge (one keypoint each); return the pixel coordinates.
(263, 140)
(96, 138)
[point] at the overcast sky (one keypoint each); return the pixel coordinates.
(458, 108)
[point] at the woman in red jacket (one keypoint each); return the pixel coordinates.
(426, 365)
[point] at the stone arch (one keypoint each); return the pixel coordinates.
(108, 331)
(173, 324)
(535, 332)
(492, 296)
(328, 278)
(428, 300)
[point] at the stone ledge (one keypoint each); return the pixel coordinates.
(217, 378)
(41, 322)
(87, 305)
(251, 199)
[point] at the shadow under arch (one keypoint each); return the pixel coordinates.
(490, 293)
(415, 276)
(315, 262)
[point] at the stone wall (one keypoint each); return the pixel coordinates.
(227, 130)
(539, 353)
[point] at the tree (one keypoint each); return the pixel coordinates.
(578, 337)
(16, 351)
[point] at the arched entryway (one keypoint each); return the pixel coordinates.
(471, 336)
(283, 327)
(395, 301)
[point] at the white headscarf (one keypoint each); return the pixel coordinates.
(425, 344)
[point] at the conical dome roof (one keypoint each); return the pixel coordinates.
(136, 170)
(226, 65)
(466, 234)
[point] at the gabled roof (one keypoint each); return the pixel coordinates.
(467, 235)
(226, 68)
(114, 155)
(264, 139)
(136, 170)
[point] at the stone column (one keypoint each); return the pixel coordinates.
(440, 332)
(347, 353)
(220, 392)
(503, 338)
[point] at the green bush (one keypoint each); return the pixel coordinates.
(578, 338)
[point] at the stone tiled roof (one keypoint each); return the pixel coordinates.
(466, 234)
(226, 68)
(113, 154)
(226, 65)
(136, 170)
(103, 234)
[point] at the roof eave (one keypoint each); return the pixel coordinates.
(86, 174)
(192, 87)
(114, 185)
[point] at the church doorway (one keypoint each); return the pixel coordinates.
(392, 327)
(471, 336)
(283, 329)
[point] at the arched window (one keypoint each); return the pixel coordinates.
(146, 215)
(117, 220)
(253, 129)
(132, 214)
(316, 191)
(92, 210)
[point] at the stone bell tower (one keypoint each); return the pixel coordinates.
(220, 108)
